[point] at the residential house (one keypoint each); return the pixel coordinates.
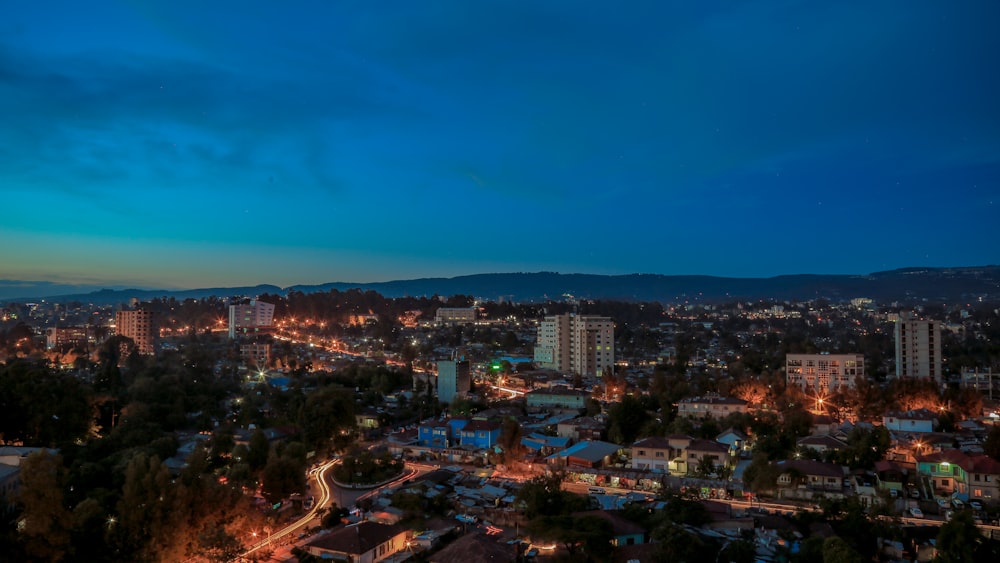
(588, 453)
(802, 478)
(711, 406)
(821, 444)
(441, 433)
(954, 472)
(365, 542)
(482, 434)
(623, 530)
(737, 441)
(918, 420)
(581, 429)
(677, 454)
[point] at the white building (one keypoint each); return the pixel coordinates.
(823, 372)
(576, 344)
(918, 348)
(456, 315)
(250, 317)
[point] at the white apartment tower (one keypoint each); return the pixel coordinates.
(250, 317)
(576, 344)
(918, 348)
(823, 373)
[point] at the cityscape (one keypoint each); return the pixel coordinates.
(351, 426)
(529, 282)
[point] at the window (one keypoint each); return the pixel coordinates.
(659, 454)
(642, 452)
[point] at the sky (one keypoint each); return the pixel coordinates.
(193, 144)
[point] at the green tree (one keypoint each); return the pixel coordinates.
(258, 451)
(959, 540)
(626, 419)
(836, 550)
(543, 496)
(585, 537)
(510, 439)
(992, 444)
(45, 522)
(282, 477)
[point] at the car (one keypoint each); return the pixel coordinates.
(957, 503)
(941, 503)
(596, 490)
(915, 493)
(893, 493)
(916, 512)
(976, 505)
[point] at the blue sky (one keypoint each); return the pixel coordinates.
(197, 144)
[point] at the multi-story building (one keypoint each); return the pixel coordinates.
(455, 315)
(823, 373)
(59, 336)
(250, 318)
(576, 344)
(139, 325)
(918, 348)
(711, 406)
(454, 379)
(256, 354)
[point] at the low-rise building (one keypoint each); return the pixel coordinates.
(954, 472)
(481, 434)
(557, 398)
(918, 420)
(365, 542)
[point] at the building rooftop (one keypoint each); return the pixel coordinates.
(357, 538)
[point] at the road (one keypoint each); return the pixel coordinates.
(328, 495)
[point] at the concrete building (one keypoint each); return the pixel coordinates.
(59, 336)
(918, 348)
(823, 373)
(557, 398)
(364, 542)
(255, 354)
(138, 325)
(455, 315)
(576, 344)
(250, 318)
(711, 406)
(454, 379)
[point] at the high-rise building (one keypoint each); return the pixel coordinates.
(59, 336)
(250, 318)
(823, 373)
(576, 344)
(918, 348)
(454, 379)
(138, 325)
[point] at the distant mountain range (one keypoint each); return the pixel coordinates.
(908, 284)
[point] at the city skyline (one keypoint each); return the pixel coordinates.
(243, 144)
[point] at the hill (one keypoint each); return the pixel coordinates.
(947, 285)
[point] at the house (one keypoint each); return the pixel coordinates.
(954, 472)
(711, 406)
(677, 454)
(476, 547)
(480, 434)
(804, 477)
(590, 454)
(919, 420)
(737, 441)
(623, 530)
(367, 419)
(823, 424)
(581, 429)
(364, 542)
(543, 444)
(442, 433)
(653, 454)
(821, 444)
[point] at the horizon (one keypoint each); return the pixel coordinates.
(157, 146)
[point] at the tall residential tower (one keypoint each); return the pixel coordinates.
(918, 348)
(576, 344)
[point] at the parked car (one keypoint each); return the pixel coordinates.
(976, 505)
(893, 493)
(916, 512)
(915, 493)
(957, 503)
(941, 503)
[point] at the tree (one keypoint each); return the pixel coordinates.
(992, 444)
(258, 451)
(625, 419)
(959, 540)
(543, 496)
(836, 550)
(282, 477)
(590, 534)
(46, 523)
(510, 439)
